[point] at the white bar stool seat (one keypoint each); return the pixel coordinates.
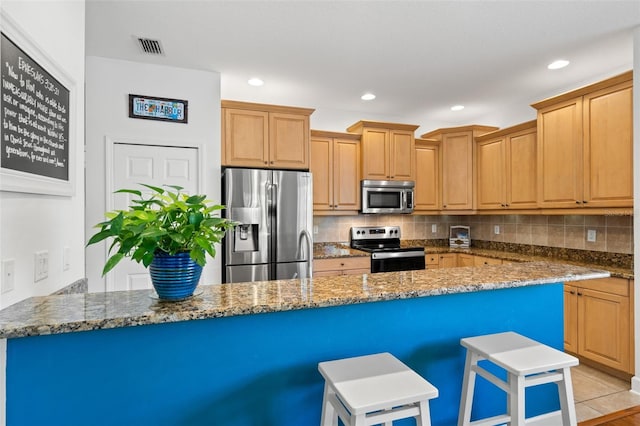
(528, 363)
(373, 389)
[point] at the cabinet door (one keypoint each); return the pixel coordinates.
(465, 260)
(288, 141)
(608, 147)
(402, 155)
(457, 171)
(604, 328)
(521, 170)
(346, 174)
(449, 260)
(427, 190)
(322, 169)
(560, 155)
(375, 154)
(245, 138)
(570, 319)
(491, 169)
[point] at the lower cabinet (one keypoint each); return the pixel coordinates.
(452, 260)
(341, 266)
(598, 321)
(448, 260)
(466, 259)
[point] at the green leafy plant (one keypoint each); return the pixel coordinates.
(168, 220)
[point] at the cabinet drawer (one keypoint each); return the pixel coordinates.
(342, 263)
(481, 261)
(613, 285)
(432, 260)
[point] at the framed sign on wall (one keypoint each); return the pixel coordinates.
(38, 108)
(154, 108)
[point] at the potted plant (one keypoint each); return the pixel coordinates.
(168, 231)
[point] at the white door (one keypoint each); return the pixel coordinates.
(153, 165)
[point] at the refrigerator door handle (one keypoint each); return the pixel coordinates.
(300, 253)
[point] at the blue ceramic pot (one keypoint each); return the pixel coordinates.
(174, 276)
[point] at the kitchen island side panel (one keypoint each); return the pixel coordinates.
(261, 370)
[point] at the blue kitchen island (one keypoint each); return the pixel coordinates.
(246, 354)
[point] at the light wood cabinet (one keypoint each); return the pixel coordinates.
(448, 260)
(432, 261)
(341, 266)
(506, 168)
(466, 259)
(335, 164)
(585, 146)
(387, 150)
(265, 136)
(599, 321)
(457, 145)
(484, 261)
(427, 192)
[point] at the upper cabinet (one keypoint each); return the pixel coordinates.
(506, 168)
(427, 194)
(457, 144)
(387, 150)
(585, 146)
(259, 135)
(335, 164)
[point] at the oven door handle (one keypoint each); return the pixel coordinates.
(395, 255)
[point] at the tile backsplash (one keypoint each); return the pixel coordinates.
(612, 233)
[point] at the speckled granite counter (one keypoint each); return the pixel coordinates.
(332, 250)
(80, 312)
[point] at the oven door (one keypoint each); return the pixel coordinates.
(397, 261)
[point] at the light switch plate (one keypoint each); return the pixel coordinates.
(434, 228)
(41, 265)
(496, 229)
(8, 275)
(591, 235)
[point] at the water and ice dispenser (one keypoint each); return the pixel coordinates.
(246, 233)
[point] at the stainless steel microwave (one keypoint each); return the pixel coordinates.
(387, 196)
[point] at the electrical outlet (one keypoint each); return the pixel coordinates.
(41, 267)
(434, 228)
(315, 229)
(496, 229)
(591, 235)
(66, 258)
(8, 275)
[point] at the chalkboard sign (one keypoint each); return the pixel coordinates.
(35, 116)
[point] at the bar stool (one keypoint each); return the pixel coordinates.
(528, 363)
(373, 389)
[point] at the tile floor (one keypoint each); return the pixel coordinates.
(596, 393)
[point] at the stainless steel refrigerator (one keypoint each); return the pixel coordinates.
(275, 214)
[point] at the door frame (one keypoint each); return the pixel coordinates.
(110, 142)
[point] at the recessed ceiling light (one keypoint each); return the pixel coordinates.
(368, 97)
(457, 108)
(556, 65)
(255, 82)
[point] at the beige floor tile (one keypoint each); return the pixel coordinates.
(584, 412)
(614, 402)
(612, 381)
(589, 385)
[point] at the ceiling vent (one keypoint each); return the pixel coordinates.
(152, 47)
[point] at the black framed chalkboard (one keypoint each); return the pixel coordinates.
(35, 116)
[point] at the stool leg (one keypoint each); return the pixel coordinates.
(567, 404)
(468, 385)
(359, 420)
(516, 399)
(424, 418)
(329, 414)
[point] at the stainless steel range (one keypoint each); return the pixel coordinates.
(383, 242)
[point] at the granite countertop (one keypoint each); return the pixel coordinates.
(91, 311)
(332, 250)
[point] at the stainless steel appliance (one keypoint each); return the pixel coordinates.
(275, 215)
(383, 242)
(387, 196)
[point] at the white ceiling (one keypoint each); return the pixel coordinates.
(418, 57)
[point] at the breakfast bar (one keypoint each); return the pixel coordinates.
(247, 353)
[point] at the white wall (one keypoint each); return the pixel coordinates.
(31, 222)
(108, 84)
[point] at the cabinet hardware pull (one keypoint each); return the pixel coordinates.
(579, 294)
(577, 202)
(585, 202)
(572, 292)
